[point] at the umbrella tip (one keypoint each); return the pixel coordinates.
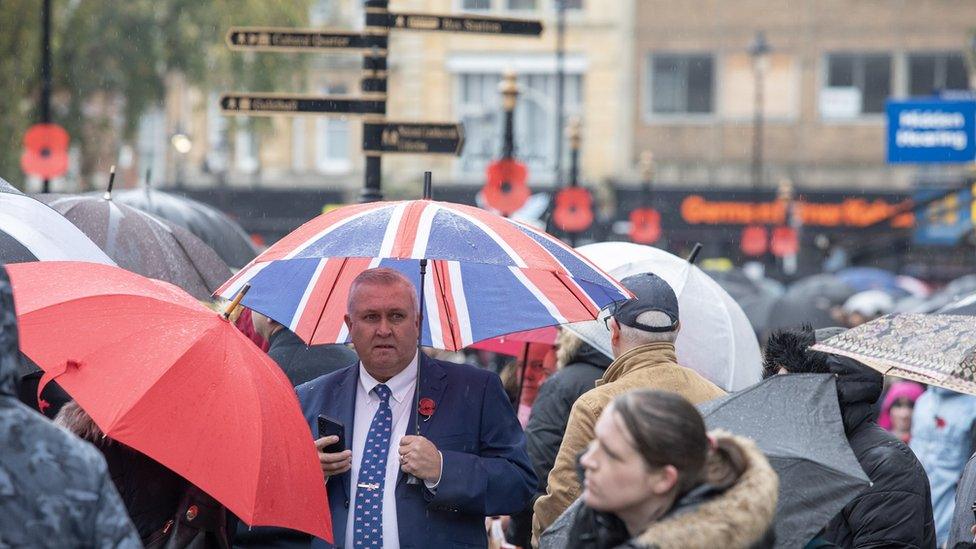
(237, 301)
(427, 185)
(693, 256)
(111, 181)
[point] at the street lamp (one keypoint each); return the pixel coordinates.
(182, 144)
(759, 51)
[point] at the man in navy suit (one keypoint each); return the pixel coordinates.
(469, 456)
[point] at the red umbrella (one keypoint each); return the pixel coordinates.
(514, 344)
(161, 373)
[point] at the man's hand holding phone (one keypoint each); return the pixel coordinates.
(333, 463)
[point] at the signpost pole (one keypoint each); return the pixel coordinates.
(573, 134)
(46, 74)
(374, 81)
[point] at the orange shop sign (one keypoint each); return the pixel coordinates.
(850, 212)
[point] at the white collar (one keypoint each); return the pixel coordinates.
(400, 385)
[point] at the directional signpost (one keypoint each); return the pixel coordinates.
(379, 135)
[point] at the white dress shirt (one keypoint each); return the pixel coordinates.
(401, 401)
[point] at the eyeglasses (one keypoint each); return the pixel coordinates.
(606, 322)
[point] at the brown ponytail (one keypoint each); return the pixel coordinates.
(726, 462)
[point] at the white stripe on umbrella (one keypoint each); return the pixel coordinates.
(300, 310)
(243, 278)
(432, 305)
(460, 303)
(539, 295)
(424, 225)
(392, 228)
(326, 231)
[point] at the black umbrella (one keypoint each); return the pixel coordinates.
(214, 227)
(795, 420)
(144, 244)
(809, 301)
(755, 297)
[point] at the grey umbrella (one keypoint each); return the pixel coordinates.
(809, 301)
(795, 420)
(144, 244)
(214, 227)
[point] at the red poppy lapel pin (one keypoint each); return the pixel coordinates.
(426, 407)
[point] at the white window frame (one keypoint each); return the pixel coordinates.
(869, 119)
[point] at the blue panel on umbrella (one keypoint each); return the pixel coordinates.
(454, 238)
(361, 237)
(602, 295)
(277, 290)
(499, 304)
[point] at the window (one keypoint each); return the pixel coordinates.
(479, 106)
(570, 4)
(332, 140)
(476, 5)
(681, 84)
(780, 81)
(868, 76)
(245, 150)
(521, 4)
(929, 73)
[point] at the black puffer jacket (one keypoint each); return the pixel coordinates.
(550, 412)
(896, 510)
(583, 366)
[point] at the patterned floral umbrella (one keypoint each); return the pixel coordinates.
(936, 349)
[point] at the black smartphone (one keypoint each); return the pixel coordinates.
(329, 426)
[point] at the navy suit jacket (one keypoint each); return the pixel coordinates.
(486, 469)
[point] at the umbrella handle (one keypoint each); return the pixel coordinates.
(237, 301)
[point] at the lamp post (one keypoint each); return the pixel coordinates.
(573, 136)
(759, 51)
(508, 87)
(560, 86)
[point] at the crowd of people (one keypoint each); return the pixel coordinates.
(593, 452)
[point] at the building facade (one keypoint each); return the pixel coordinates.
(830, 66)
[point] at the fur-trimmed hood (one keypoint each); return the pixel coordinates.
(740, 517)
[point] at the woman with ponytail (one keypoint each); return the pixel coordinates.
(653, 477)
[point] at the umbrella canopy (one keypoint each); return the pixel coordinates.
(159, 372)
(795, 420)
(870, 278)
(965, 305)
(716, 339)
(515, 344)
(935, 349)
(488, 275)
(809, 301)
(209, 224)
(756, 297)
(31, 231)
(144, 244)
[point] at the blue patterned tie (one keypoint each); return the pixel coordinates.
(372, 473)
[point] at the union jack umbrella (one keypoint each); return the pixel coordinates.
(489, 275)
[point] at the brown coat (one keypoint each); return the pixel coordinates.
(652, 366)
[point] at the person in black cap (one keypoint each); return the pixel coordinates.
(642, 334)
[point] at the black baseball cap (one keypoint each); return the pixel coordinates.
(651, 293)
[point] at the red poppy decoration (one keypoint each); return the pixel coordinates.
(45, 151)
(939, 423)
(505, 189)
(784, 242)
(574, 210)
(753, 242)
(426, 407)
(645, 225)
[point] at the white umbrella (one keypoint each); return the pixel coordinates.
(30, 230)
(716, 338)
